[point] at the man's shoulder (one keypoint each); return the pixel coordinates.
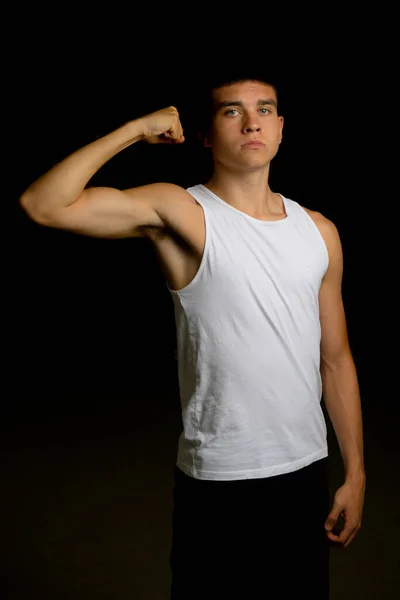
(326, 227)
(319, 219)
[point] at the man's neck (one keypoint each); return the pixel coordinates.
(248, 192)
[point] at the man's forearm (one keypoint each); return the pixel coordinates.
(342, 399)
(65, 182)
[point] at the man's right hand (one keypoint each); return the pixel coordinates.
(163, 127)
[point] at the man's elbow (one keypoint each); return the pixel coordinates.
(29, 206)
(330, 361)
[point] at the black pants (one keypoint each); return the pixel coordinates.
(252, 538)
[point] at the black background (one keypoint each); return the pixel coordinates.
(98, 310)
(89, 371)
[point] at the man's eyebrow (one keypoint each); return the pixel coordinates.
(261, 102)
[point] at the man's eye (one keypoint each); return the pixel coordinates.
(232, 110)
(266, 109)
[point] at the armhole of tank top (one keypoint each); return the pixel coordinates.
(199, 271)
(319, 235)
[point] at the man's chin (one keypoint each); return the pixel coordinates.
(253, 165)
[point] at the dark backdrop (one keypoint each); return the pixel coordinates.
(92, 312)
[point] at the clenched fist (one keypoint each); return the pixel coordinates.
(163, 127)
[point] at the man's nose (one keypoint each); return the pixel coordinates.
(251, 125)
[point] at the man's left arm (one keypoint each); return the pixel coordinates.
(341, 392)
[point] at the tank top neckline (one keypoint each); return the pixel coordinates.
(249, 217)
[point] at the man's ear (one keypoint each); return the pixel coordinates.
(203, 140)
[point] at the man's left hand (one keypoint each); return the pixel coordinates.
(348, 503)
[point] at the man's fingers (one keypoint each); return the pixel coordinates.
(175, 134)
(179, 140)
(345, 536)
(348, 532)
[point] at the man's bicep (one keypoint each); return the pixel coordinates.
(111, 213)
(334, 337)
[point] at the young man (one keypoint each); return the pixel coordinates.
(261, 331)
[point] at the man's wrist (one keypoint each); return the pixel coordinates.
(356, 475)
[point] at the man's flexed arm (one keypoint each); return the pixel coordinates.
(64, 184)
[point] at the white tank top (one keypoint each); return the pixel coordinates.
(248, 343)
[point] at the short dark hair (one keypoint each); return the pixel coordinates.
(204, 118)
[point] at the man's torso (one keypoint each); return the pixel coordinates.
(180, 246)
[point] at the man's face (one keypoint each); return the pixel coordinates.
(244, 113)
